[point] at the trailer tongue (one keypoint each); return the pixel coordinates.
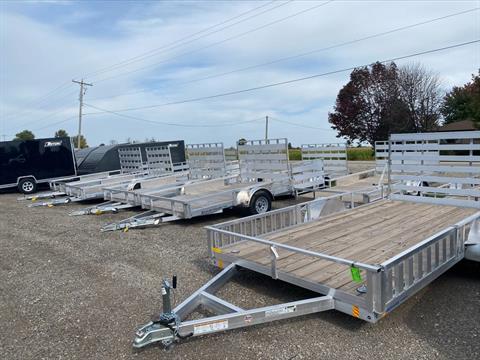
(364, 261)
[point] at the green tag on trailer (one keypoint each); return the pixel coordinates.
(356, 276)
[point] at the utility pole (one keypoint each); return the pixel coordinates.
(83, 90)
(266, 128)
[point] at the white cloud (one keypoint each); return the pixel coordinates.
(37, 56)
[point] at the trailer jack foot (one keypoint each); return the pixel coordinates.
(146, 219)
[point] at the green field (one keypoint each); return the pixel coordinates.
(358, 153)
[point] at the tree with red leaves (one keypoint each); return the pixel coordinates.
(382, 99)
(463, 103)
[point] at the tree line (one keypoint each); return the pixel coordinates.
(383, 98)
(28, 135)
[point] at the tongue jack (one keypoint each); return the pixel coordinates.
(167, 317)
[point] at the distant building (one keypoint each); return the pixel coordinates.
(463, 125)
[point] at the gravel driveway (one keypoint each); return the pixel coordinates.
(68, 291)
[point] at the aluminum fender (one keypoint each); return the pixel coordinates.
(243, 196)
(472, 252)
(26, 177)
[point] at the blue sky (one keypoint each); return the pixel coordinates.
(45, 44)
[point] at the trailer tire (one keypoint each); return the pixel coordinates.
(27, 186)
(260, 203)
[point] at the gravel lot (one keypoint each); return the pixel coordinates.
(68, 291)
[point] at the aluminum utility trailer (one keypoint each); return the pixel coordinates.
(365, 186)
(57, 185)
(90, 186)
(265, 173)
(161, 173)
(364, 262)
(205, 161)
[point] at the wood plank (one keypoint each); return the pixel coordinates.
(334, 234)
(394, 244)
(351, 249)
(402, 225)
(326, 222)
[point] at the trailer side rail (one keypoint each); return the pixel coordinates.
(412, 269)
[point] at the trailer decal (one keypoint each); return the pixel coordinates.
(281, 310)
(210, 327)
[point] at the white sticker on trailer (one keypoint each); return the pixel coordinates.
(210, 327)
(281, 310)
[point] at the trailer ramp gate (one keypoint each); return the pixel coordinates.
(131, 160)
(368, 185)
(441, 168)
(364, 261)
(334, 157)
(206, 161)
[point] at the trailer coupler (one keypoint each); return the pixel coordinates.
(162, 327)
(47, 195)
(55, 202)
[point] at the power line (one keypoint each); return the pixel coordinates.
(47, 115)
(133, 59)
(182, 42)
(167, 123)
(36, 101)
(387, 32)
(299, 125)
(331, 47)
(218, 42)
(55, 123)
(292, 80)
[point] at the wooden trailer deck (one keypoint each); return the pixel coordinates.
(369, 234)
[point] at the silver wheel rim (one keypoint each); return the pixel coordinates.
(27, 186)
(261, 205)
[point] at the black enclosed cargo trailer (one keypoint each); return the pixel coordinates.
(26, 163)
(105, 157)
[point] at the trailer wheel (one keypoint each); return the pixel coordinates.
(27, 186)
(260, 203)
